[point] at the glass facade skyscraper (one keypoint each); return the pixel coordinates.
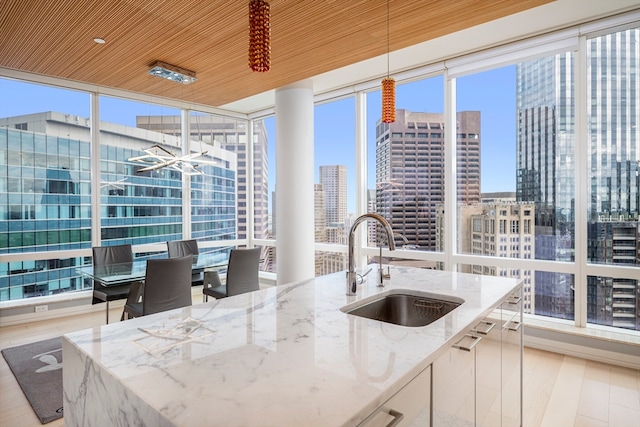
(45, 189)
(546, 146)
(545, 176)
(230, 135)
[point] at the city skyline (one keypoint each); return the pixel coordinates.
(486, 92)
(492, 92)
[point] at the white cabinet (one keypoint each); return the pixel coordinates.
(453, 376)
(478, 380)
(475, 382)
(489, 371)
(466, 379)
(408, 407)
(499, 367)
(512, 361)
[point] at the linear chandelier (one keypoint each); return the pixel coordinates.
(173, 73)
(158, 157)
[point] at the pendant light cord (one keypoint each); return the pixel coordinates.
(388, 38)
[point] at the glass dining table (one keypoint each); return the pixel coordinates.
(117, 274)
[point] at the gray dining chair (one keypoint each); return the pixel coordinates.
(167, 285)
(242, 275)
(180, 248)
(109, 255)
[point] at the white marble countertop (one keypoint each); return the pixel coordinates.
(283, 356)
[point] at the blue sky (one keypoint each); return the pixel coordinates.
(492, 93)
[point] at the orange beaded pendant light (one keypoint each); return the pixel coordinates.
(388, 100)
(259, 36)
(388, 88)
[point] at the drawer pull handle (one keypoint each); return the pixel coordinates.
(513, 325)
(514, 300)
(397, 417)
(484, 328)
(475, 339)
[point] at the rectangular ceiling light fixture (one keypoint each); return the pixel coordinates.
(173, 73)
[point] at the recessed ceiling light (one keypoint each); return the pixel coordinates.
(99, 40)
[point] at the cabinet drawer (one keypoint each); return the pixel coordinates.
(411, 403)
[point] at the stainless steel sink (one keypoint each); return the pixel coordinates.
(408, 308)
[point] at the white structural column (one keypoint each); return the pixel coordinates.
(295, 243)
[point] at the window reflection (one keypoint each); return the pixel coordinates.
(45, 199)
(613, 231)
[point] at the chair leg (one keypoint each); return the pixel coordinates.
(107, 312)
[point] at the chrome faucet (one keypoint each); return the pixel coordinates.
(381, 274)
(352, 276)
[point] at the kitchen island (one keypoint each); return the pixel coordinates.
(282, 356)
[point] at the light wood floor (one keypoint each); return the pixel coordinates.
(559, 391)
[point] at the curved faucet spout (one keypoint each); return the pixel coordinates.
(352, 277)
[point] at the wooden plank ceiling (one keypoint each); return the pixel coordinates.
(210, 37)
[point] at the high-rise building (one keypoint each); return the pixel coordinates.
(231, 135)
(499, 228)
(320, 217)
(503, 230)
(327, 262)
(614, 301)
(320, 223)
(546, 148)
(410, 171)
(371, 225)
(337, 234)
(274, 215)
(49, 196)
(334, 182)
(269, 252)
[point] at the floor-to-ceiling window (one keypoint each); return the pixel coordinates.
(45, 193)
(515, 143)
(264, 160)
(140, 201)
(529, 115)
(149, 174)
(152, 173)
(216, 197)
(212, 173)
(522, 207)
(405, 181)
(545, 159)
(335, 184)
(613, 205)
